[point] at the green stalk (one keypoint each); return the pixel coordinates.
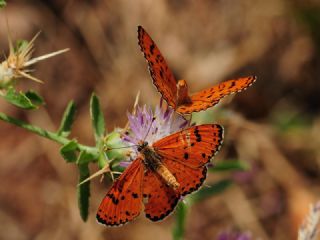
(47, 134)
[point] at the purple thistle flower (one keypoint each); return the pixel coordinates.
(233, 235)
(149, 126)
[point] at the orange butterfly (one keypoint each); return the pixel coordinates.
(172, 167)
(176, 92)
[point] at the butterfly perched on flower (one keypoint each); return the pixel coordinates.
(176, 92)
(170, 162)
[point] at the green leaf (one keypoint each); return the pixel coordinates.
(97, 118)
(34, 98)
(67, 120)
(229, 165)
(181, 216)
(2, 3)
(212, 190)
(309, 16)
(28, 100)
(85, 157)
(69, 151)
(83, 191)
(290, 121)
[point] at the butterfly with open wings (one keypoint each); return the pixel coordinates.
(176, 92)
(162, 172)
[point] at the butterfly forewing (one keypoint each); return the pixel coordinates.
(162, 76)
(211, 96)
(194, 146)
(123, 202)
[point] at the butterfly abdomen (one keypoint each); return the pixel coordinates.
(167, 176)
(153, 162)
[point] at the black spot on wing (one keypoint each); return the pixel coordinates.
(151, 48)
(173, 204)
(198, 185)
(134, 195)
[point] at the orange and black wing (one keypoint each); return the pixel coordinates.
(123, 201)
(193, 147)
(161, 75)
(189, 178)
(211, 96)
(186, 153)
(160, 199)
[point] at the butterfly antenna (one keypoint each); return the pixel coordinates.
(154, 118)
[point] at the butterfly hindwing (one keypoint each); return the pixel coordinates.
(123, 202)
(189, 178)
(194, 146)
(160, 198)
(211, 96)
(161, 75)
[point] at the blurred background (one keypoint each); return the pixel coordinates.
(274, 125)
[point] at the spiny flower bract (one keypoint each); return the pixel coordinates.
(16, 64)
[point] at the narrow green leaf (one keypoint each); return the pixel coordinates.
(29, 100)
(2, 3)
(85, 157)
(83, 191)
(18, 99)
(67, 120)
(229, 165)
(69, 151)
(97, 118)
(181, 216)
(212, 190)
(34, 98)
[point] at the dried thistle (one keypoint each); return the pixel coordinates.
(309, 229)
(19, 60)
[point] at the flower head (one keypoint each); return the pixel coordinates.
(150, 127)
(234, 235)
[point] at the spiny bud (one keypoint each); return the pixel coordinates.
(19, 60)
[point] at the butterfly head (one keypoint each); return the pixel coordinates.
(142, 145)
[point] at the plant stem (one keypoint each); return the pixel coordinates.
(180, 224)
(47, 134)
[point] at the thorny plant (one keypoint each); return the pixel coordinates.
(110, 152)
